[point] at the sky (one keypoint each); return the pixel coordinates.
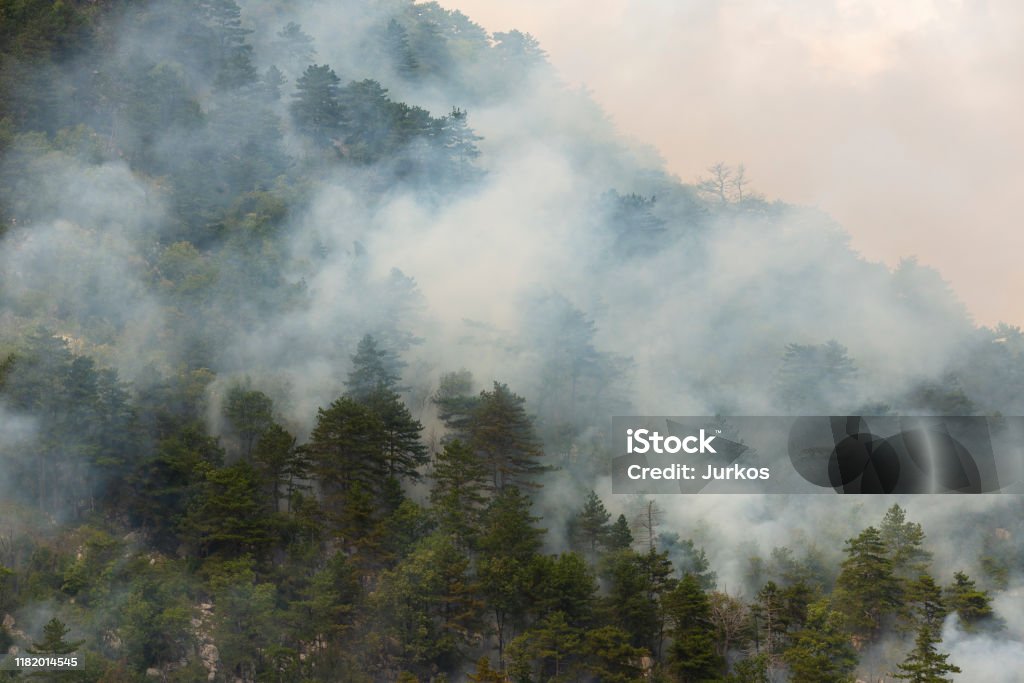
(902, 120)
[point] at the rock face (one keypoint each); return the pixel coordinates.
(208, 653)
(8, 625)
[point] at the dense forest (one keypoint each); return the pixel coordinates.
(313, 318)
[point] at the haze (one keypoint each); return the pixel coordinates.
(902, 121)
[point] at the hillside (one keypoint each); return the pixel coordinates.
(312, 320)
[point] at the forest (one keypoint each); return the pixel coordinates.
(313, 319)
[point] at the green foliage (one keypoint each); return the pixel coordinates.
(429, 606)
(375, 370)
(866, 590)
(821, 651)
(972, 605)
(229, 514)
(322, 557)
(317, 106)
(155, 617)
(904, 542)
(814, 379)
(589, 528)
(691, 656)
(924, 663)
(620, 537)
(508, 545)
(53, 642)
(459, 491)
(249, 414)
(502, 433)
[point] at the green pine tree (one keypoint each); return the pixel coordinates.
(459, 492)
(53, 642)
(590, 527)
(691, 655)
(502, 433)
(972, 605)
(317, 106)
(620, 537)
(925, 664)
(866, 590)
(904, 543)
(821, 651)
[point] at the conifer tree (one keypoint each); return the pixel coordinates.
(249, 413)
(821, 650)
(53, 642)
(507, 546)
(619, 535)
(971, 604)
(925, 664)
(403, 451)
(590, 526)
(502, 433)
(866, 590)
(317, 106)
(926, 603)
(460, 491)
(280, 464)
(374, 370)
(396, 47)
(346, 447)
(691, 656)
(904, 543)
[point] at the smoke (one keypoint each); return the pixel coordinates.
(688, 300)
(899, 121)
(985, 657)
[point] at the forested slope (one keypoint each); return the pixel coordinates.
(312, 320)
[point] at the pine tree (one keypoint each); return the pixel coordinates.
(229, 513)
(691, 656)
(552, 644)
(53, 642)
(281, 466)
(458, 141)
(589, 527)
(821, 651)
(317, 106)
(815, 378)
(866, 590)
(633, 585)
(430, 605)
(234, 64)
(296, 46)
(689, 559)
(374, 370)
(456, 403)
(273, 80)
(563, 584)
(904, 543)
(459, 492)
(608, 656)
(249, 413)
(502, 433)
(404, 452)
(925, 664)
(507, 547)
(396, 47)
(972, 605)
(619, 535)
(485, 674)
(926, 603)
(347, 447)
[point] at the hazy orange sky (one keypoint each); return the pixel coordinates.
(904, 120)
